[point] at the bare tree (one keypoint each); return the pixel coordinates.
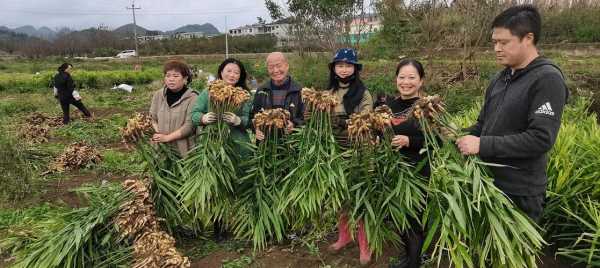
(318, 22)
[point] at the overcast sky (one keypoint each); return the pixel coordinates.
(153, 15)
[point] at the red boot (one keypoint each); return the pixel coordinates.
(363, 244)
(344, 237)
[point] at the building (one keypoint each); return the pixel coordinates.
(363, 27)
(189, 35)
(279, 29)
(147, 38)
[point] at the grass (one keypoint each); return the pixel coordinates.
(99, 131)
(120, 163)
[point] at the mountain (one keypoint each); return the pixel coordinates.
(206, 28)
(46, 33)
(43, 32)
(127, 30)
(28, 30)
(123, 31)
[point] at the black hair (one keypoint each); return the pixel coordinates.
(413, 63)
(333, 80)
(520, 20)
(242, 81)
(63, 67)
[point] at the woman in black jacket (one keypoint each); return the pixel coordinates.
(409, 139)
(65, 87)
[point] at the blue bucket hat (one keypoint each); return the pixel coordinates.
(348, 55)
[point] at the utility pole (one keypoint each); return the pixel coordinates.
(226, 39)
(133, 8)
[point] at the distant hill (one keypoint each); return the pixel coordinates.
(123, 31)
(206, 28)
(127, 30)
(43, 32)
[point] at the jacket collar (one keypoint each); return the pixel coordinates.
(188, 93)
(294, 87)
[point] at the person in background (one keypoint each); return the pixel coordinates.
(66, 94)
(171, 108)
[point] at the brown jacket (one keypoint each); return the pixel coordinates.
(169, 119)
(340, 115)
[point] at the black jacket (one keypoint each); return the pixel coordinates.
(518, 125)
(293, 101)
(64, 85)
(403, 124)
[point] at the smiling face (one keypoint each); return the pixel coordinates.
(174, 80)
(231, 74)
(277, 67)
(511, 51)
(343, 69)
(408, 82)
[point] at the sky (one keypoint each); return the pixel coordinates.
(154, 14)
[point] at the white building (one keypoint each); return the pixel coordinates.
(189, 35)
(279, 29)
(147, 38)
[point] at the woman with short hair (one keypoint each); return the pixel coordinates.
(171, 108)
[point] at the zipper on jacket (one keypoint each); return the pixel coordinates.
(507, 81)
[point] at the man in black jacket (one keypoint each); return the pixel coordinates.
(281, 91)
(520, 118)
(65, 86)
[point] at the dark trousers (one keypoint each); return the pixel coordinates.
(65, 105)
(413, 242)
(532, 206)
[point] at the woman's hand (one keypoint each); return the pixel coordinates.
(400, 141)
(232, 119)
(209, 118)
(161, 138)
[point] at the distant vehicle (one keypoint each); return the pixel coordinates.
(126, 54)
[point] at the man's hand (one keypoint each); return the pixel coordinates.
(400, 141)
(289, 127)
(468, 145)
(209, 118)
(259, 135)
(232, 119)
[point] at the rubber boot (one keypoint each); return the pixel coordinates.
(344, 237)
(363, 244)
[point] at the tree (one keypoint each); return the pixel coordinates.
(320, 22)
(261, 20)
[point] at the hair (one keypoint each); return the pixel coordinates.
(242, 81)
(413, 63)
(333, 82)
(180, 67)
(63, 67)
(520, 20)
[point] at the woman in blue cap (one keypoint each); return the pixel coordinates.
(353, 96)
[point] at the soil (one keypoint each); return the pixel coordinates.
(300, 257)
(61, 191)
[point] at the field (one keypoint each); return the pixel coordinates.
(25, 91)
